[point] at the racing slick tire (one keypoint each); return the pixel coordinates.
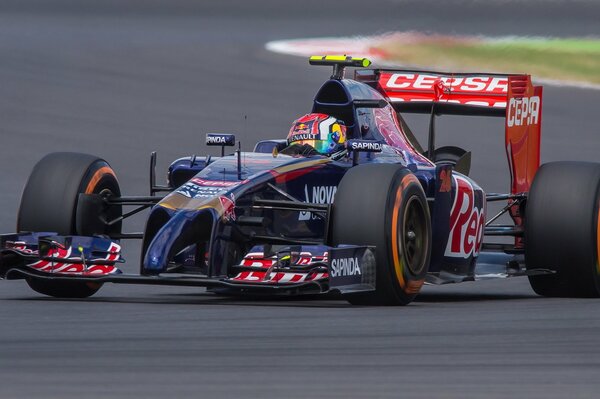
(383, 205)
(562, 229)
(49, 203)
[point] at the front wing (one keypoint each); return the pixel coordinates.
(292, 271)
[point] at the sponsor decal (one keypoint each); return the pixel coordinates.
(193, 192)
(445, 180)
(56, 254)
(20, 246)
(303, 131)
(345, 267)
(228, 205)
(467, 221)
(476, 84)
(257, 259)
(200, 188)
(220, 139)
(487, 91)
(523, 111)
(301, 128)
(213, 183)
(216, 140)
(318, 195)
(352, 269)
(302, 136)
(365, 145)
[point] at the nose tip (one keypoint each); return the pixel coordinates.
(153, 262)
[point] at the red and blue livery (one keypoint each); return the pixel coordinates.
(371, 216)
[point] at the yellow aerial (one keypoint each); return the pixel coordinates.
(342, 60)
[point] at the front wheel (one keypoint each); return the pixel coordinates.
(49, 203)
(384, 205)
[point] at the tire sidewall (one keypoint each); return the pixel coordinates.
(405, 188)
(50, 197)
(363, 214)
(562, 229)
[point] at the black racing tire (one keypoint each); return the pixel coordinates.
(49, 200)
(384, 205)
(562, 229)
(49, 203)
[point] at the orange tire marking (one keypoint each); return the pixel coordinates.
(96, 178)
(395, 250)
(414, 286)
(398, 265)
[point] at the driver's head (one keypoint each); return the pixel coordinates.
(324, 133)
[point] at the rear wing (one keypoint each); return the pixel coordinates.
(462, 94)
(510, 96)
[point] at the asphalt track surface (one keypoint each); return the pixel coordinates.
(122, 78)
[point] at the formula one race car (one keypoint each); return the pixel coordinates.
(350, 204)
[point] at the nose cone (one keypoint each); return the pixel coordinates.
(184, 228)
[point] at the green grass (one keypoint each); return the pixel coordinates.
(576, 60)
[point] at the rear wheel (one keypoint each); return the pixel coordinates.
(562, 229)
(384, 205)
(49, 203)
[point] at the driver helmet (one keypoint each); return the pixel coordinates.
(325, 133)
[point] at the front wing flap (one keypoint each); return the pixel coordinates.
(46, 256)
(59, 255)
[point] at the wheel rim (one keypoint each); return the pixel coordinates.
(106, 189)
(414, 239)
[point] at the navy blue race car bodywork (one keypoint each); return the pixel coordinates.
(260, 221)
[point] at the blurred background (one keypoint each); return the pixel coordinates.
(122, 78)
